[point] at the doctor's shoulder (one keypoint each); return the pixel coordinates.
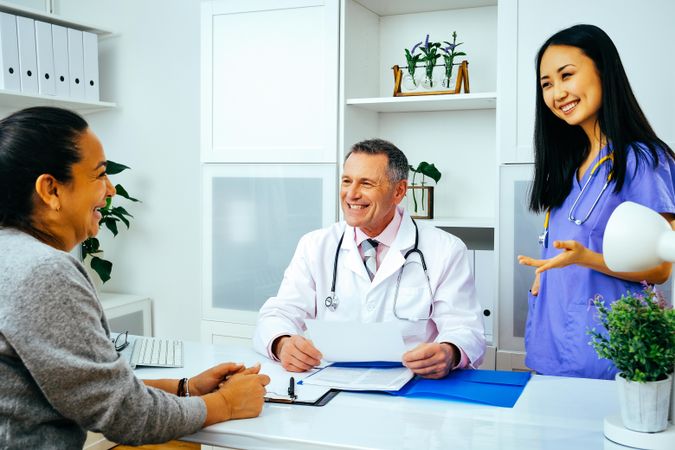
(439, 240)
(321, 240)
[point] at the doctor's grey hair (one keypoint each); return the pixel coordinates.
(398, 167)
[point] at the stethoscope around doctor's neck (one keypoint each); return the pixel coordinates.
(571, 216)
(332, 301)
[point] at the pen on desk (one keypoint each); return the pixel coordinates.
(291, 388)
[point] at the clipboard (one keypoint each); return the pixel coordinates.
(321, 401)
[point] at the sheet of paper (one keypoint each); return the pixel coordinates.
(360, 379)
(356, 341)
(279, 381)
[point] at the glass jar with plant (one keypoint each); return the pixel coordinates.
(412, 58)
(640, 340)
(110, 217)
(449, 55)
(425, 209)
(431, 55)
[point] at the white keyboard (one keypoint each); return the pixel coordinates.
(157, 352)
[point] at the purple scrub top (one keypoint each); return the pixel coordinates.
(558, 319)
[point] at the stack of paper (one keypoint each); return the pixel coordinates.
(360, 378)
(356, 341)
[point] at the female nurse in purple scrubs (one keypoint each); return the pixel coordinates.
(594, 149)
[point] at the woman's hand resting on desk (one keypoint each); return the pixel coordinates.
(239, 397)
(209, 380)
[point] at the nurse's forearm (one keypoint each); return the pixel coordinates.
(656, 275)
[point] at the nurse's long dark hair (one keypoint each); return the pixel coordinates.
(560, 148)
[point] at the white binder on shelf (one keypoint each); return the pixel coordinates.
(45, 58)
(90, 51)
(9, 53)
(25, 28)
(61, 72)
(486, 282)
(76, 63)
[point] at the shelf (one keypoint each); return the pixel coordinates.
(394, 7)
(449, 102)
(44, 16)
(19, 100)
(461, 222)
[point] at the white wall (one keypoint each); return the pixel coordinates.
(151, 70)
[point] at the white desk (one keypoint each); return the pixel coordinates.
(552, 413)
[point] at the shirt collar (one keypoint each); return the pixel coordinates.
(389, 233)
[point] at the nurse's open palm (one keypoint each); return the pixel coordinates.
(572, 253)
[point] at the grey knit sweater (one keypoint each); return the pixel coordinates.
(59, 372)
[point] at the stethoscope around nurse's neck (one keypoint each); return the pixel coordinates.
(543, 238)
(332, 301)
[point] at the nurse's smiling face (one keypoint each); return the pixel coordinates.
(571, 85)
(367, 195)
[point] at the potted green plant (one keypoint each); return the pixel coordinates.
(110, 217)
(449, 56)
(431, 55)
(412, 57)
(425, 208)
(640, 340)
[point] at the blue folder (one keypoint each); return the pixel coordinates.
(498, 388)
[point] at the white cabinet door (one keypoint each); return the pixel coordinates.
(525, 26)
(270, 81)
(519, 231)
(254, 216)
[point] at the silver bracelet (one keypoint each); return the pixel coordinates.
(187, 387)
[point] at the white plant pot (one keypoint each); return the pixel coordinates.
(644, 406)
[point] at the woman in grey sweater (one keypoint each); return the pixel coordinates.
(59, 371)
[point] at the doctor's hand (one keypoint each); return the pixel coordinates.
(296, 353)
(572, 253)
(209, 380)
(432, 360)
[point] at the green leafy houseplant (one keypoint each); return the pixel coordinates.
(110, 217)
(640, 337)
(431, 55)
(412, 58)
(449, 57)
(425, 169)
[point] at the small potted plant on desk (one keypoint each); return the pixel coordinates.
(424, 209)
(640, 340)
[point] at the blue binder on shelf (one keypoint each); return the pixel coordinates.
(490, 387)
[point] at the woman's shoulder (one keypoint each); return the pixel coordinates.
(653, 154)
(27, 262)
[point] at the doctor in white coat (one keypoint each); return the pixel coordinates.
(440, 319)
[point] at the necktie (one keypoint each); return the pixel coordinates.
(369, 247)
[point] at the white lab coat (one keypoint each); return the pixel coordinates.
(307, 281)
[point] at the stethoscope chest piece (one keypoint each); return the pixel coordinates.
(331, 302)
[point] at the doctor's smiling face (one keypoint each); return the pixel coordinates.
(367, 194)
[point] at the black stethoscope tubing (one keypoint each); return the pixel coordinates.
(331, 301)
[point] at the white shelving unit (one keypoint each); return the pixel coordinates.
(15, 100)
(462, 222)
(456, 132)
(453, 102)
(18, 100)
(37, 14)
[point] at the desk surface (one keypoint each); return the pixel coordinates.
(552, 413)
